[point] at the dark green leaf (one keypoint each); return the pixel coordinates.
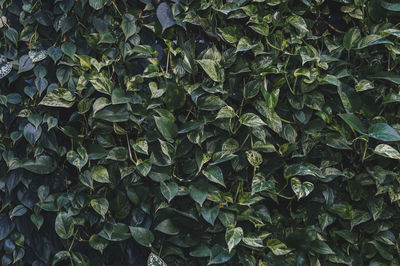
(166, 127)
(142, 235)
(64, 225)
(220, 255)
(167, 227)
(41, 165)
(214, 174)
(97, 4)
(251, 120)
(169, 190)
(25, 64)
(390, 6)
(54, 53)
(383, 132)
(354, 122)
(100, 205)
(164, 15)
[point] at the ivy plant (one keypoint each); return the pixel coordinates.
(199, 132)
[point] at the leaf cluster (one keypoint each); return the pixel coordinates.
(199, 132)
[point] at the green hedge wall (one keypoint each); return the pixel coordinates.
(199, 132)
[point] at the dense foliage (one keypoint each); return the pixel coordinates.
(237, 132)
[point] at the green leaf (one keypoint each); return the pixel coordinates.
(359, 217)
(351, 37)
(230, 34)
(102, 84)
(169, 190)
(100, 205)
(128, 25)
(164, 15)
(79, 158)
(63, 75)
(344, 210)
(387, 151)
(226, 112)
(260, 184)
(220, 255)
(233, 236)
(6, 226)
(166, 127)
(31, 133)
(350, 99)
(198, 194)
(390, 6)
(210, 214)
(100, 174)
(140, 146)
(84, 61)
(69, 49)
(174, 96)
(303, 170)
(301, 189)
(277, 247)
(17, 211)
(214, 174)
(251, 120)
(383, 132)
(115, 232)
(142, 235)
(227, 8)
(252, 88)
(54, 53)
(262, 29)
(98, 243)
(211, 103)
(389, 76)
(298, 22)
(118, 154)
(116, 113)
(154, 260)
(25, 64)
(60, 97)
(84, 105)
(144, 167)
(61, 256)
(201, 251)
(167, 227)
(97, 4)
(64, 225)
(370, 40)
(12, 35)
(42, 165)
(244, 44)
(80, 259)
(254, 158)
(37, 220)
(364, 85)
(354, 122)
(213, 69)
(321, 247)
(337, 141)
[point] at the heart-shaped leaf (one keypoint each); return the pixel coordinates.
(301, 190)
